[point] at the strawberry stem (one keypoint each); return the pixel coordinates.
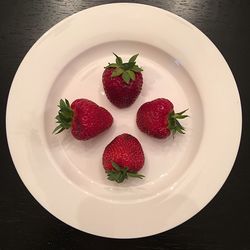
(64, 117)
(119, 174)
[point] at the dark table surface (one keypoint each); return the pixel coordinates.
(223, 224)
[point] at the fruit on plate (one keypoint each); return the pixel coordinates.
(123, 157)
(85, 118)
(122, 82)
(157, 118)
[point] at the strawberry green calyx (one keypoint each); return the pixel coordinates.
(173, 123)
(119, 174)
(126, 70)
(64, 117)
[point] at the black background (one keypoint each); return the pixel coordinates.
(223, 224)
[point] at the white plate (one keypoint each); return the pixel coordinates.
(182, 175)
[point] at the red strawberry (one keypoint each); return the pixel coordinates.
(158, 119)
(122, 158)
(122, 82)
(85, 118)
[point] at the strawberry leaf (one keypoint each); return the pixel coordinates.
(118, 60)
(57, 128)
(179, 125)
(117, 72)
(137, 69)
(180, 113)
(111, 65)
(131, 74)
(130, 174)
(67, 103)
(126, 77)
(62, 104)
(128, 66)
(133, 58)
(116, 166)
(179, 130)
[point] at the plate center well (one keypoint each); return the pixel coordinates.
(165, 160)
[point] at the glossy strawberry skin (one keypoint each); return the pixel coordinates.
(89, 119)
(126, 151)
(118, 92)
(152, 117)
